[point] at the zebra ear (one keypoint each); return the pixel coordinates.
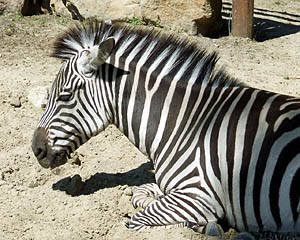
(104, 50)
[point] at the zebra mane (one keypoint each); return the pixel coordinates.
(94, 32)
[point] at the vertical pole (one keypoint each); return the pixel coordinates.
(242, 18)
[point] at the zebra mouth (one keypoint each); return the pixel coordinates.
(53, 160)
(46, 155)
(58, 159)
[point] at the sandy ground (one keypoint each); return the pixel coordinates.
(33, 201)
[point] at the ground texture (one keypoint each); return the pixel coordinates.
(33, 201)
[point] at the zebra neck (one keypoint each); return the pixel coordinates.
(143, 109)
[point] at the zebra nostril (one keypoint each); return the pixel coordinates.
(40, 153)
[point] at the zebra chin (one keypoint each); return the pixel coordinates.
(53, 161)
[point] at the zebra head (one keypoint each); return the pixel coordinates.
(75, 111)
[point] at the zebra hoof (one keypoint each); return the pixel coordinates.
(214, 229)
(244, 236)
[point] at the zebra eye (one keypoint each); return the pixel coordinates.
(64, 96)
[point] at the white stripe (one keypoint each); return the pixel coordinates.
(288, 115)
(222, 149)
(166, 107)
(284, 193)
(179, 163)
(259, 138)
(139, 64)
(149, 95)
(289, 102)
(207, 197)
(182, 109)
(265, 208)
(238, 159)
(119, 53)
(178, 142)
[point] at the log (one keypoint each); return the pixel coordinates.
(242, 18)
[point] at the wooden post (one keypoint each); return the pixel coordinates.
(242, 18)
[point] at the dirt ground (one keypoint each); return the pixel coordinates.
(33, 201)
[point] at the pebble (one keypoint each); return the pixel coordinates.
(128, 192)
(38, 96)
(75, 160)
(2, 183)
(76, 186)
(9, 32)
(124, 205)
(39, 211)
(33, 184)
(15, 102)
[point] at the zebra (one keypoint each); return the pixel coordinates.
(222, 151)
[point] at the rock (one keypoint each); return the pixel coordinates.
(75, 160)
(2, 182)
(2, 6)
(15, 102)
(75, 186)
(39, 211)
(109, 9)
(128, 192)
(30, 8)
(125, 206)
(38, 96)
(194, 17)
(10, 6)
(33, 184)
(74, 11)
(25, 7)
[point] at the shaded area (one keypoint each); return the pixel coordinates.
(135, 177)
(268, 24)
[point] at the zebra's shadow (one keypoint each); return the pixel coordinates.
(98, 181)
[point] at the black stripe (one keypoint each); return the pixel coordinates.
(231, 138)
(72, 116)
(251, 131)
(290, 151)
(295, 195)
(86, 112)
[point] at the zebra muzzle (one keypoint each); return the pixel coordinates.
(45, 156)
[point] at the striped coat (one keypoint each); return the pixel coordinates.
(221, 150)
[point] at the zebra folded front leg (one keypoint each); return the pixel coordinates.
(173, 209)
(146, 195)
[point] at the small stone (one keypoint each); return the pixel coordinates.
(76, 186)
(33, 184)
(39, 211)
(15, 102)
(125, 206)
(38, 96)
(9, 32)
(2, 183)
(76, 160)
(128, 192)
